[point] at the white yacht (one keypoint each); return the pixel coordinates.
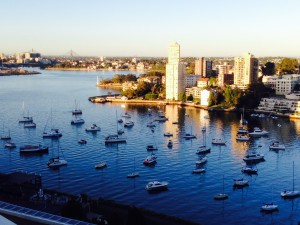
(240, 183)
(242, 137)
(110, 139)
(189, 136)
(77, 121)
(276, 146)
(218, 141)
(271, 207)
(199, 170)
(128, 124)
(101, 165)
(56, 162)
(203, 150)
(93, 128)
(126, 115)
(249, 170)
(53, 133)
(253, 158)
(201, 161)
(257, 132)
(26, 119)
(150, 160)
(10, 145)
(157, 186)
(30, 125)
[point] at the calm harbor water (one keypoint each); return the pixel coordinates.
(190, 196)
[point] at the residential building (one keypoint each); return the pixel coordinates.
(279, 105)
(282, 85)
(202, 82)
(175, 73)
(245, 70)
(223, 71)
(191, 80)
(198, 93)
(150, 79)
(203, 67)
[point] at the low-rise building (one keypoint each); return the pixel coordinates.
(282, 84)
(279, 105)
(199, 93)
(202, 82)
(191, 80)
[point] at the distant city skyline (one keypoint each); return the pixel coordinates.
(146, 28)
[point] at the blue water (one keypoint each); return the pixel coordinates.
(190, 196)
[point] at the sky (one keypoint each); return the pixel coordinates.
(209, 28)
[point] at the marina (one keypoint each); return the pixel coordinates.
(174, 165)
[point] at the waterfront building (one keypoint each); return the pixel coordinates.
(175, 73)
(150, 79)
(280, 105)
(282, 85)
(203, 67)
(191, 80)
(202, 82)
(245, 70)
(199, 93)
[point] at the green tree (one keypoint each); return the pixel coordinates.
(288, 66)
(190, 69)
(181, 96)
(143, 88)
(268, 69)
(212, 81)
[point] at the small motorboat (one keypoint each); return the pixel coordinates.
(77, 121)
(203, 150)
(253, 158)
(199, 170)
(168, 134)
(150, 160)
(240, 183)
(93, 128)
(257, 132)
(82, 141)
(271, 207)
(151, 148)
(218, 141)
(189, 136)
(30, 125)
(120, 121)
(201, 161)
(126, 115)
(221, 196)
(276, 146)
(53, 133)
(157, 186)
(10, 145)
(101, 165)
(133, 175)
(128, 124)
(56, 162)
(249, 170)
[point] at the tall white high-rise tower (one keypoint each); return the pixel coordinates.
(175, 72)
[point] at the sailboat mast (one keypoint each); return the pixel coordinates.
(223, 185)
(293, 176)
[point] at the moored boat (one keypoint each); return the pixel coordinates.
(199, 170)
(30, 125)
(151, 148)
(257, 132)
(101, 165)
(249, 170)
(218, 141)
(269, 207)
(32, 149)
(93, 128)
(150, 160)
(77, 121)
(110, 139)
(253, 158)
(53, 133)
(157, 186)
(170, 144)
(10, 145)
(201, 161)
(276, 146)
(56, 162)
(239, 183)
(128, 124)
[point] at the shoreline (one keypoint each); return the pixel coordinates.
(85, 69)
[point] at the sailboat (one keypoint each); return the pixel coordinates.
(291, 194)
(53, 133)
(188, 136)
(5, 137)
(25, 119)
(76, 111)
(152, 147)
(134, 173)
(114, 138)
(203, 149)
(269, 207)
(57, 162)
(221, 196)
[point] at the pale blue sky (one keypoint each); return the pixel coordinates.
(146, 28)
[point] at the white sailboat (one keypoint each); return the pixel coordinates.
(134, 173)
(57, 161)
(291, 194)
(25, 119)
(115, 138)
(53, 133)
(221, 196)
(203, 149)
(77, 110)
